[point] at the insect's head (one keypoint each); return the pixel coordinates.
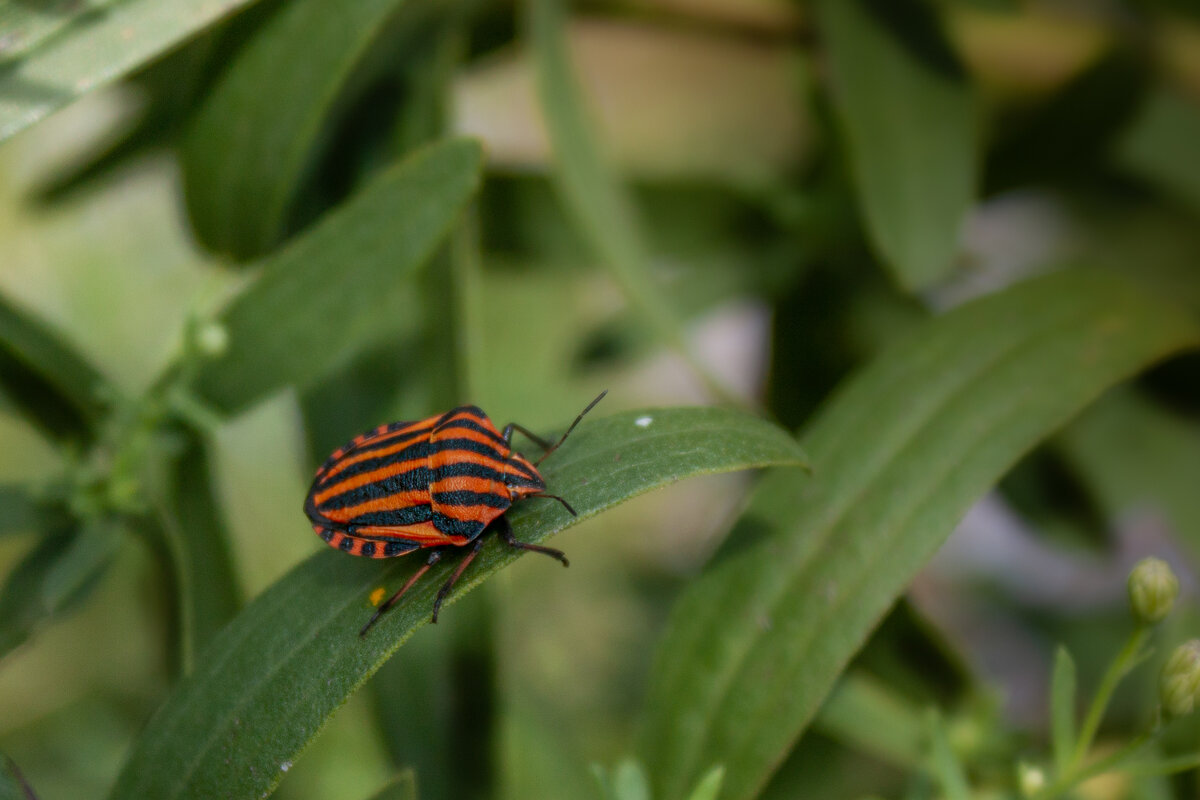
(522, 477)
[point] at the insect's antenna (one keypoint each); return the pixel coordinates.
(566, 505)
(590, 406)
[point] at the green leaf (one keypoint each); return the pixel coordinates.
(272, 678)
(1161, 146)
(24, 511)
(593, 194)
(944, 763)
(57, 573)
(13, 785)
(910, 129)
(710, 785)
(1062, 709)
(344, 283)
(52, 385)
(863, 713)
(629, 781)
(198, 541)
(97, 47)
(240, 180)
(402, 787)
(1132, 454)
(901, 453)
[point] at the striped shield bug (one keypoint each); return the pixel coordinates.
(438, 483)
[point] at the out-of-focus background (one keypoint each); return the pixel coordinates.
(737, 132)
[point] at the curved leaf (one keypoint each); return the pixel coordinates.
(910, 126)
(604, 213)
(902, 452)
(343, 284)
(272, 678)
(60, 570)
(96, 48)
(194, 531)
(53, 386)
(240, 179)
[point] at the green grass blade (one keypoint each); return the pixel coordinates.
(25, 511)
(241, 179)
(343, 284)
(189, 511)
(1062, 709)
(92, 51)
(943, 762)
(865, 714)
(402, 787)
(901, 453)
(53, 386)
(13, 785)
(1161, 146)
(709, 787)
(60, 571)
(892, 74)
(593, 194)
(273, 677)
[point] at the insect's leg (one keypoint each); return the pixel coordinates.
(449, 584)
(504, 529)
(434, 557)
(533, 437)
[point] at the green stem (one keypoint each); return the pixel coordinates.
(1125, 661)
(1075, 776)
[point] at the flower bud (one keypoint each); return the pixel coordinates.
(1179, 687)
(1153, 588)
(212, 339)
(1031, 779)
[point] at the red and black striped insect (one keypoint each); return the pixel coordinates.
(437, 483)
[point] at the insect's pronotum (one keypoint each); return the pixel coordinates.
(436, 483)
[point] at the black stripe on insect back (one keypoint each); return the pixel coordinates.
(421, 449)
(463, 497)
(377, 443)
(472, 425)
(409, 515)
(457, 527)
(414, 480)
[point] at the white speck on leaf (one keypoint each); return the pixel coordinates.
(285, 766)
(643, 422)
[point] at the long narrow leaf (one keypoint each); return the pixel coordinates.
(57, 573)
(1062, 709)
(592, 193)
(97, 49)
(240, 179)
(909, 122)
(198, 540)
(343, 284)
(901, 452)
(53, 386)
(274, 676)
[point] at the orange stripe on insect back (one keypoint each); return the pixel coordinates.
(392, 502)
(450, 456)
(364, 478)
(475, 436)
(409, 435)
(423, 533)
(467, 483)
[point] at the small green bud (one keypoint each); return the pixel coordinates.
(212, 340)
(1153, 588)
(1179, 687)
(1031, 779)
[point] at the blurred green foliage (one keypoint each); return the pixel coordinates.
(929, 234)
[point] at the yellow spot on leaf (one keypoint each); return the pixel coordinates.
(377, 596)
